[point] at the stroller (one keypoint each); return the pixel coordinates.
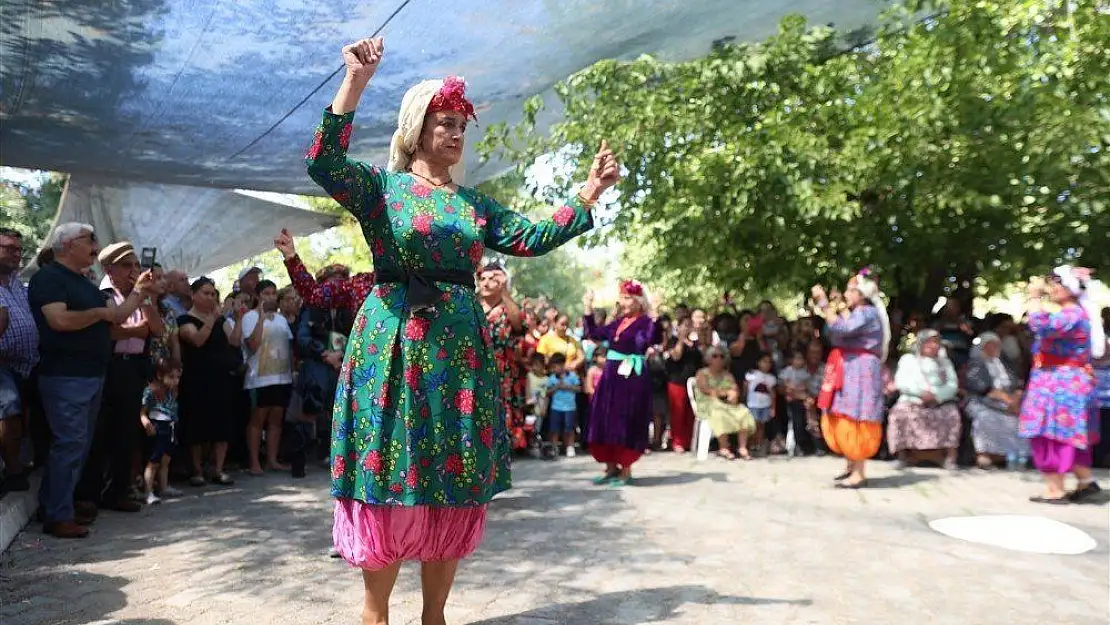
(535, 416)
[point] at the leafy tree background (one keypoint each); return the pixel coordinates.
(30, 209)
(955, 154)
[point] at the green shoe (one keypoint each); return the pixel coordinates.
(604, 479)
(618, 482)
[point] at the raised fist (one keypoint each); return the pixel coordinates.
(604, 172)
(362, 57)
(284, 243)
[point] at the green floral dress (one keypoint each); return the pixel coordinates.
(419, 418)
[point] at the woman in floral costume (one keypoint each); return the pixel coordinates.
(506, 324)
(419, 444)
(1059, 414)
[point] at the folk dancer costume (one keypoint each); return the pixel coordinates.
(1059, 413)
(620, 411)
(508, 355)
(419, 445)
(851, 397)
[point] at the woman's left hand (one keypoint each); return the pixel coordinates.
(604, 173)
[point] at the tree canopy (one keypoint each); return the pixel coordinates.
(966, 148)
(30, 209)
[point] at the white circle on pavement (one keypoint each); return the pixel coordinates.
(1031, 534)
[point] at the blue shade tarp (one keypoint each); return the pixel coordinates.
(166, 91)
(195, 230)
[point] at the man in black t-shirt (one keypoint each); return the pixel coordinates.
(74, 319)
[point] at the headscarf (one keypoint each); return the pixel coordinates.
(922, 337)
(495, 265)
(1080, 284)
(636, 290)
(1000, 375)
(868, 287)
(421, 99)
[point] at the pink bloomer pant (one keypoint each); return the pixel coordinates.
(373, 537)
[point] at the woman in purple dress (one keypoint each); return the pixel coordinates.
(621, 408)
(1059, 413)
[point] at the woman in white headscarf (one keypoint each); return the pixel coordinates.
(1059, 414)
(994, 397)
(851, 397)
(419, 440)
(925, 417)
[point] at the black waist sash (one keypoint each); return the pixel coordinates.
(422, 291)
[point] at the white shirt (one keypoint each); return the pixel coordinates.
(760, 387)
(272, 363)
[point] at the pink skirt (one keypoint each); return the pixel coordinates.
(373, 537)
(1050, 456)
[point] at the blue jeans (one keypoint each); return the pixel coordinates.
(71, 405)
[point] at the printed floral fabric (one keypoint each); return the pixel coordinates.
(861, 395)
(419, 416)
(1059, 402)
(346, 293)
(514, 376)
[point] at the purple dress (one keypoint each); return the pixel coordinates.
(621, 408)
(1059, 412)
(860, 336)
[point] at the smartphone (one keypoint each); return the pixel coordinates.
(147, 257)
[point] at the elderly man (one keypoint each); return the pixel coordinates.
(109, 472)
(19, 353)
(75, 321)
(179, 297)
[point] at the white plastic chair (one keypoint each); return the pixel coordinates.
(702, 433)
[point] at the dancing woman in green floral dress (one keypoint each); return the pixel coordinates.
(419, 443)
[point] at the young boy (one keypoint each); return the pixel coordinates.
(795, 379)
(562, 414)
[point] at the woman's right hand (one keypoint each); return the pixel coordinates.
(588, 300)
(363, 57)
(284, 244)
(148, 425)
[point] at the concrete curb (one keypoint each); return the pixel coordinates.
(16, 510)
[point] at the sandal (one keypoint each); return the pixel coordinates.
(843, 476)
(1083, 494)
(197, 480)
(1056, 501)
(726, 454)
(858, 485)
(223, 479)
(604, 479)
(618, 482)
(744, 454)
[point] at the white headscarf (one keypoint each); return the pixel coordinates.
(1080, 286)
(410, 123)
(869, 289)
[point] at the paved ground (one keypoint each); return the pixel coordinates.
(716, 542)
